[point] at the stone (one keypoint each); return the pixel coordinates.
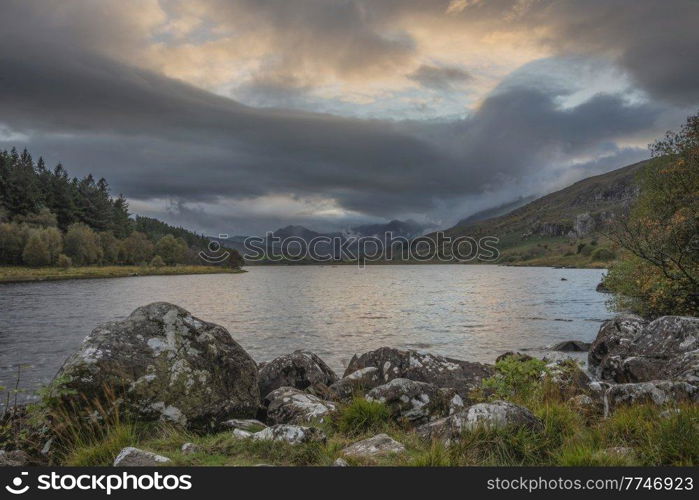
(300, 369)
(190, 449)
(14, 458)
(612, 340)
(416, 402)
(356, 383)
(657, 392)
(245, 424)
(571, 346)
(378, 446)
(162, 363)
(568, 375)
(495, 415)
(287, 405)
(464, 376)
(292, 434)
(340, 462)
(241, 434)
(665, 349)
(133, 457)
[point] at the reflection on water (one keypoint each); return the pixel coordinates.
(468, 312)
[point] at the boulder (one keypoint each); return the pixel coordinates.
(241, 434)
(571, 346)
(15, 458)
(378, 446)
(244, 424)
(190, 449)
(613, 340)
(163, 363)
(568, 375)
(517, 356)
(416, 402)
(357, 382)
(340, 462)
(495, 415)
(463, 376)
(300, 369)
(657, 392)
(287, 405)
(665, 349)
(133, 457)
(292, 434)
(585, 405)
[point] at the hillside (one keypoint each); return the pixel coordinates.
(561, 228)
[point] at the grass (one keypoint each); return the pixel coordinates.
(645, 434)
(15, 274)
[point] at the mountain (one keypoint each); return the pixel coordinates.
(496, 211)
(561, 228)
(407, 229)
(575, 210)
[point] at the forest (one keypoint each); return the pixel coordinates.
(48, 218)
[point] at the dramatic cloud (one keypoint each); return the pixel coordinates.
(140, 93)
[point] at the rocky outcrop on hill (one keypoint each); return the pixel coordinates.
(300, 369)
(463, 376)
(163, 363)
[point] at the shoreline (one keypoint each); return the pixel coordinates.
(19, 274)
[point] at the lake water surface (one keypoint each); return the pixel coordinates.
(467, 312)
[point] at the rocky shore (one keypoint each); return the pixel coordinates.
(163, 367)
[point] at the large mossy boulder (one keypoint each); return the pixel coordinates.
(161, 363)
(463, 376)
(630, 350)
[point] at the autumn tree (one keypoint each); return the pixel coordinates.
(660, 275)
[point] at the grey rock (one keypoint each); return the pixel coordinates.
(665, 349)
(241, 434)
(15, 458)
(287, 405)
(463, 376)
(190, 449)
(292, 434)
(164, 364)
(613, 340)
(357, 382)
(340, 462)
(495, 415)
(416, 402)
(300, 369)
(245, 424)
(133, 457)
(568, 375)
(571, 346)
(517, 356)
(377, 446)
(657, 392)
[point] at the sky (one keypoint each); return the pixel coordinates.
(242, 116)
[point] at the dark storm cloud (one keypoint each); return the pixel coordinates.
(155, 137)
(439, 78)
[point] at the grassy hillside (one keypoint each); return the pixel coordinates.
(563, 228)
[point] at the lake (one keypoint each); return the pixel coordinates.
(468, 312)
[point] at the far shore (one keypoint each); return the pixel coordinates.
(19, 274)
